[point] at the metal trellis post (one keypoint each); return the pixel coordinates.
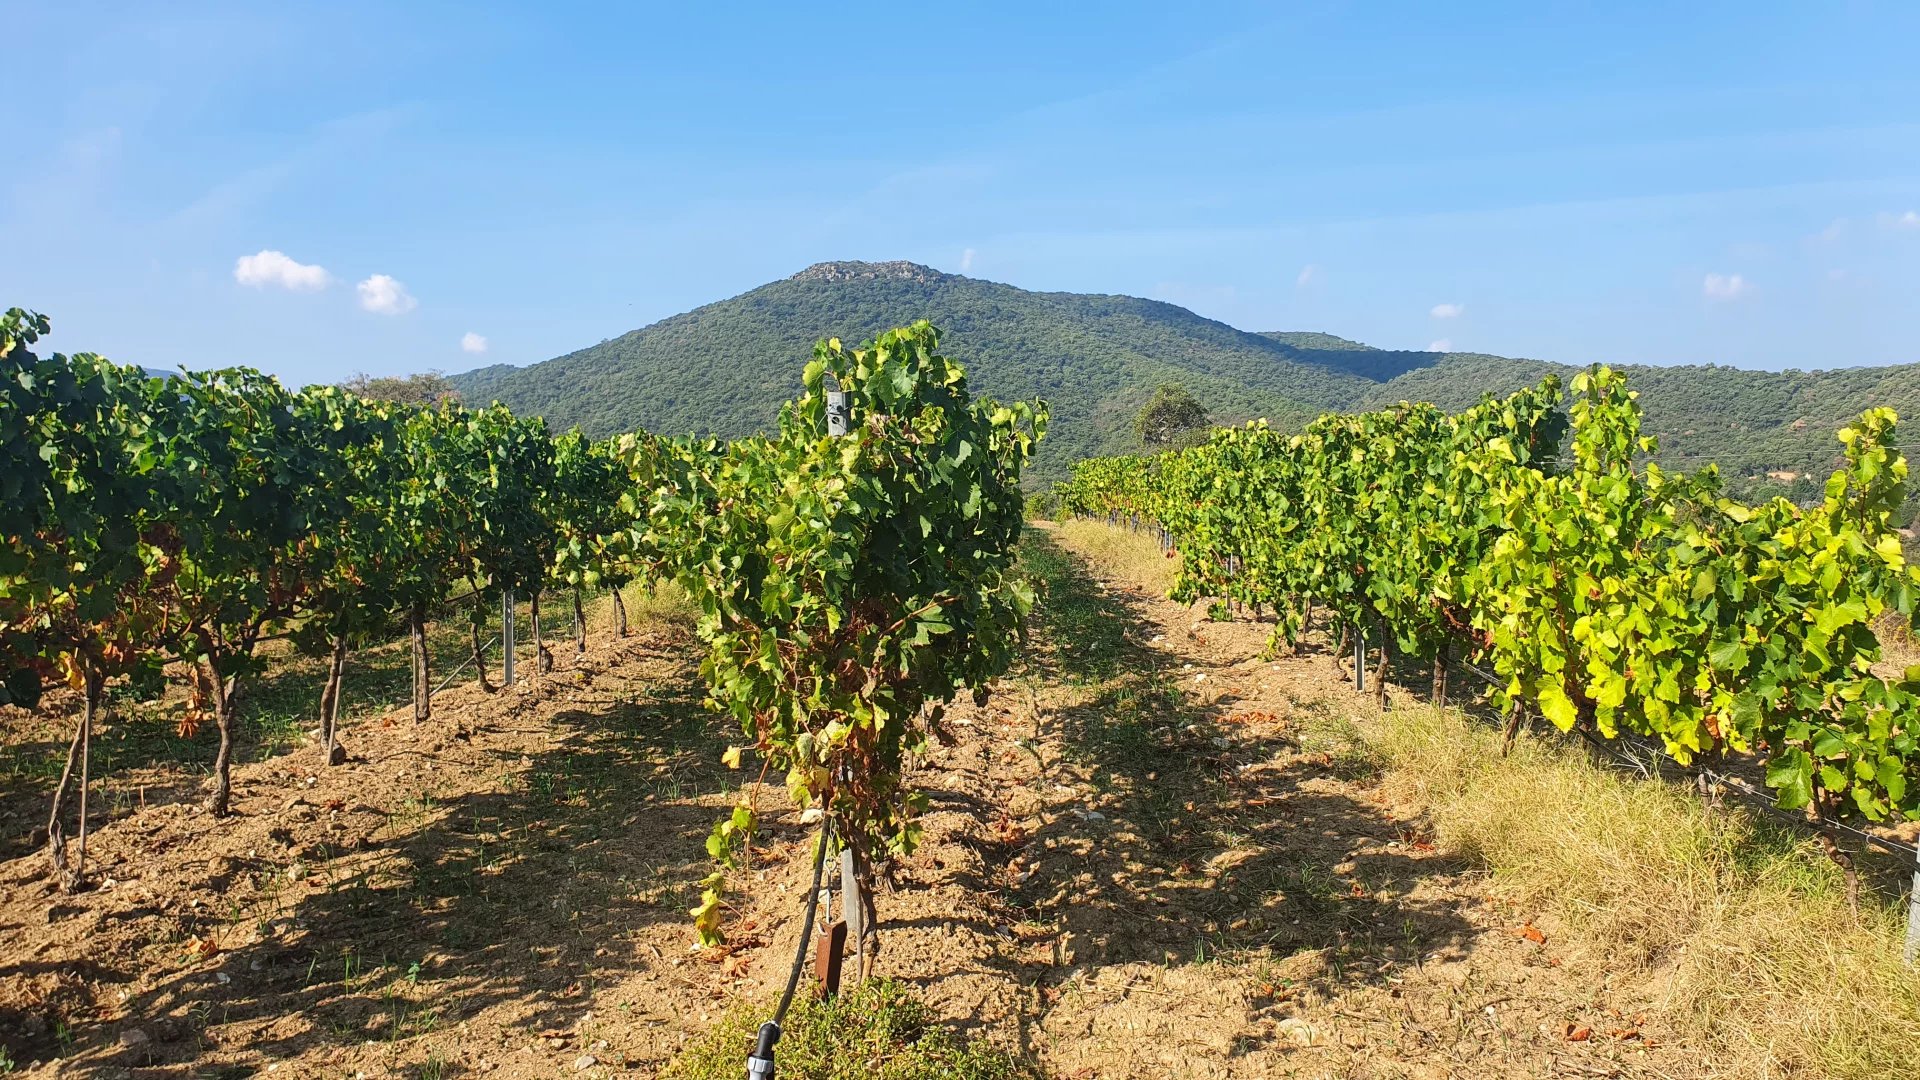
(852, 903)
(506, 633)
(1913, 914)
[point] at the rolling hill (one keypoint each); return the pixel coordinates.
(725, 367)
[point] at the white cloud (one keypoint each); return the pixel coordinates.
(1443, 345)
(1908, 220)
(1448, 311)
(472, 342)
(1309, 274)
(275, 268)
(966, 260)
(1833, 231)
(386, 296)
(1724, 286)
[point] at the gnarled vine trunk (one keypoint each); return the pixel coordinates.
(335, 754)
(579, 624)
(476, 622)
(619, 615)
(72, 877)
(542, 659)
(867, 946)
(219, 800)
(1817, 816)
(1380, 673)
(1516, 719)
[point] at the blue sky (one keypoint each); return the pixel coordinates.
(1728, 183)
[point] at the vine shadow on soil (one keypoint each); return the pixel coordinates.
(478, 899)
(140, 756)
(1217, 843)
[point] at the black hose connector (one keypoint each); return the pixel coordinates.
(760, 1062)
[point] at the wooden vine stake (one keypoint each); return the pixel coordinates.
(1380, 672)
(853, 907)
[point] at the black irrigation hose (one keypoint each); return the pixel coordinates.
(1763, 801)
(760, 1062)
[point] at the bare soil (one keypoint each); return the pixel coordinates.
(1152, 854)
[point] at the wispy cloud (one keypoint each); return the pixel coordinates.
(472, 342)
(278, 269)
(966, 260)
(1309, 275)
(1443, 345)
(383, 295)
(1448, 311)
(1907, 220)
(247, 191)
(1724, 286)
(70, 182)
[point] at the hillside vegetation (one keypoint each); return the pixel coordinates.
(1769, 431)
(724, 368)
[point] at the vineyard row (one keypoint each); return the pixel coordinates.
(1605, 592)
(853, 571)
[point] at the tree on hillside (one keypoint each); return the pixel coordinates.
(420, 388)
(1170, 417)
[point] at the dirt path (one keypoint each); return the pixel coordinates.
(1152, 854)
(1230, 895)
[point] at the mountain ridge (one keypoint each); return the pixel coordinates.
(724, 367)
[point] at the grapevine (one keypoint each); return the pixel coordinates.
(1605, 591)
(850, 585)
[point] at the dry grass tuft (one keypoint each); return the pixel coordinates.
(661, 605)
(1900, 643)
(1742, 927)
(1121, 553)
(880, 1031)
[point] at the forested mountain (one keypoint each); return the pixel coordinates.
(1771, 432)
(724, 368)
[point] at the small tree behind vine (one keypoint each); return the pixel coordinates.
(1172, 417)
